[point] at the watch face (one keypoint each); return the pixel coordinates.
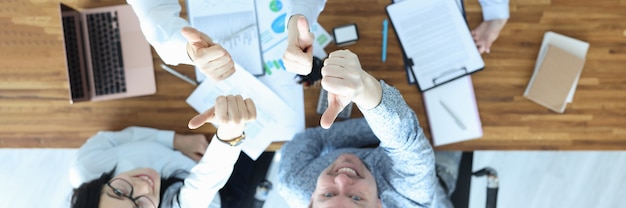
(236, 142)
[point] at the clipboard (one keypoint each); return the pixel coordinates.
(436, 41)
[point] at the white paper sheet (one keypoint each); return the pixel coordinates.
(461, 121)
(272, 35)
(233, 24)
(272, 17)
(277, 120)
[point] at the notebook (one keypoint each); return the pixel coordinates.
(439, 47)
(106, 54)
(558, 68)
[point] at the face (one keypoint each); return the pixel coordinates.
(145, 181)
(346, 183)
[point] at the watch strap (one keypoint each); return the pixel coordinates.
(233, 142)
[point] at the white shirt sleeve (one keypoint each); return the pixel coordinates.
(311, 9)
(96, 156)
(209, 175)
(494, 9)
(161, 25)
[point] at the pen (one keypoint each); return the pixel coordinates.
(456, 118)
(384, 50)
(179, 75)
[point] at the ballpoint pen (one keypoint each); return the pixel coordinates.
(178, 74)
(454, 116)
(384, 50)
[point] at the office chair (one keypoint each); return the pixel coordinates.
(460, 197)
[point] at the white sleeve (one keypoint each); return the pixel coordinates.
(97, 155)
(494, 9)
(161, 25)
(311, 9)
(209, 175)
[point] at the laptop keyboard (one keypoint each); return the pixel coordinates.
(73, 58)
(106, 53)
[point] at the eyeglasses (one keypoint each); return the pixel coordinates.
(123, 188)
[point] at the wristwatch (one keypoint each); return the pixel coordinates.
(233, 142)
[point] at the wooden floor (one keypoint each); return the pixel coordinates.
(35, 112)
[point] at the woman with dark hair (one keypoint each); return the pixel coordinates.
(150, 168)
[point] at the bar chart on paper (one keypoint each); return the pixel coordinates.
(241, 31)
(233, 25)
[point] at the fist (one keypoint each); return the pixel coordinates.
(212, 60)
(230, 113)
(298, 57)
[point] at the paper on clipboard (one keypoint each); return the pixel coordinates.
(439, 47)
(452, 112)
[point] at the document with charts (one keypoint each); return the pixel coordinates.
(276, 119)
(232, 24)
(436, 40)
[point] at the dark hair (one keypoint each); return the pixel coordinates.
(88, 194)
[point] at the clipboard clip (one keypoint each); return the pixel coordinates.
(449, 74)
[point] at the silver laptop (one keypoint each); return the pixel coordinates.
(107, 56)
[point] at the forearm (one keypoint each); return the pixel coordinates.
(402, 139)
(494, 9)
(311, 9)
(161, 24)
(393, 121)
(209, 175)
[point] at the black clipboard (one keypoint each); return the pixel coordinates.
(447, 74)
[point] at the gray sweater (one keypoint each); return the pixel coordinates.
(403, 164)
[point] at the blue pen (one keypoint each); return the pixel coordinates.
(384, 51)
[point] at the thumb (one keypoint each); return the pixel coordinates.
(202, 118)
(488, 46)
(196, 156)
(304, 32)
(196, 38)
(331, 113)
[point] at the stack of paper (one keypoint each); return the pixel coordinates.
(278, 97)
(264, 55)
(276, 119)
(557, 71)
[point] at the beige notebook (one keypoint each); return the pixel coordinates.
(555, 78)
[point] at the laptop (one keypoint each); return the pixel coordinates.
(107, 56)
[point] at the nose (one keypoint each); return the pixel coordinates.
(343, 179)
(140, 187)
